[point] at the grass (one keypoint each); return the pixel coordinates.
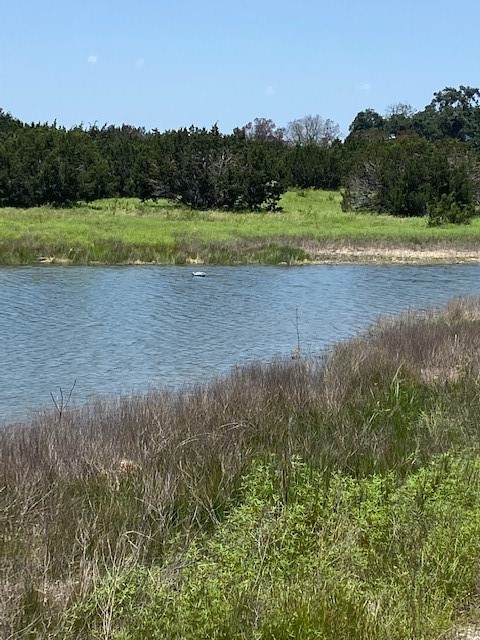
(118, 231)
(330, 498)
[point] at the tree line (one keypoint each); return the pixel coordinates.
(247, 169)
(402, 163)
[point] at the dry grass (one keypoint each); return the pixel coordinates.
(134, 481)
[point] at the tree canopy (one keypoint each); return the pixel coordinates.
(404, 162)
(203, 168)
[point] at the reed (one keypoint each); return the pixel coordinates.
(343, 472)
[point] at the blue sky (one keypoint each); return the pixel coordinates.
(166, 64)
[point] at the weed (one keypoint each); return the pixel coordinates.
(335, 497)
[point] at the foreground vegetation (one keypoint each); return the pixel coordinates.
(311, 226)
(336, 498)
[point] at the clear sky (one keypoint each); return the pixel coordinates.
(171, 63)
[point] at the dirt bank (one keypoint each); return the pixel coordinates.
(397, 255)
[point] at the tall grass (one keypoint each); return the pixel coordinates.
(328, 498)
(116, 231)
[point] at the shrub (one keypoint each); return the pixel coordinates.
(364, 560)
(413, 177)
(446, 210)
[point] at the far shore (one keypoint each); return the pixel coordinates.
(311, 228)
(340, 254)
(397, 255)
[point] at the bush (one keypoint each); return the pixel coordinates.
(363, 560)
(447, 210)
(413, 177)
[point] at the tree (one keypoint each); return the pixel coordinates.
(312, 166)
(209, 170)
(453, 113)
(399, 109)
(262, 130)
(398, 118)
(312, 130)
(464, 98)
(365, 120)
(8, 123)
(411, 176)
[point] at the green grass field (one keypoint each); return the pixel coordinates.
(118, 231)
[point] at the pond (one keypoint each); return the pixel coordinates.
(118, 330)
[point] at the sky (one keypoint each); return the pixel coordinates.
(167, 64)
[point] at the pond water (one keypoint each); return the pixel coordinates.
(117, 330)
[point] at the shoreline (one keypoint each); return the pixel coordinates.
(311, 229)
(398, 255)
(150, 507)
(370, 254)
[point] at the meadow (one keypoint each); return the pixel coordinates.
(310, 227)
(334, 498)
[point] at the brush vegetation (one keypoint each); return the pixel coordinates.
(331, 498)
(424, 164)
(311, 226)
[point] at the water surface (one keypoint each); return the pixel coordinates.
(116, 330)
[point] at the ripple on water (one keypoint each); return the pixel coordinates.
(121, 329)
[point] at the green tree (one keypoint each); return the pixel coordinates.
(398, 118)
(316, 167)
(453, 113)
(410, 175)
(365, 120)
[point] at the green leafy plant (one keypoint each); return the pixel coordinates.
(447, 210)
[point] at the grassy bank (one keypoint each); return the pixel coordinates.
(311, 226)
(335, 499)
